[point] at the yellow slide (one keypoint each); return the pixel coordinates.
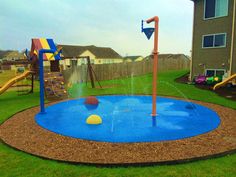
(224, 82)
(14, 80)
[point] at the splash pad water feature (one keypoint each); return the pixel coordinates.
(129, 131)
(127, 119)
(136, 115)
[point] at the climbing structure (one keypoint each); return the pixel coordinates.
(53, 81)
(54, 86)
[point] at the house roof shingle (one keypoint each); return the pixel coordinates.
(172, 56)
(11, 54)
(3, 53)
(132, 57)
(99, 52)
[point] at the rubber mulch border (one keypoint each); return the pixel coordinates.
(21, 132)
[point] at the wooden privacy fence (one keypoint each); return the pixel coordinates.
(122, 70)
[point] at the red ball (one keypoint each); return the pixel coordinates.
(91, 100)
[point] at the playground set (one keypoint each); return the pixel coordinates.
(53, 80)
(119, 119)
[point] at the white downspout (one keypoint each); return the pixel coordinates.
(232, 40)
(191, 62)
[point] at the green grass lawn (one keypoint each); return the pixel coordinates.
(6, 75)
(143, 85)
(16, 163)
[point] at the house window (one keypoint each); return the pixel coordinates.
(210, 72)
(214, 40)
(214, 72)
(220, 72)
(208, 41)
(216, 8)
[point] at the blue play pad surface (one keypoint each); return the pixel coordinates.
(128, 119)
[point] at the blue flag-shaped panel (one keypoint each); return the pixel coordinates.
(26, 53)
(148, 32)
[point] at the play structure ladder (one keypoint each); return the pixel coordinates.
(54, 86)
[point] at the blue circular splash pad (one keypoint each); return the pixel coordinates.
(127, 119)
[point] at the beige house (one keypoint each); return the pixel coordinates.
(11, 56)
(3, 54)
(133, 58)
(214, 48)
(97, 55)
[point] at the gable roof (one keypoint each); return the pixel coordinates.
(132, 57)
(3, 53)
(11, 54)
(99, 52)
(167, 56)
(174, 56)
(14, 55)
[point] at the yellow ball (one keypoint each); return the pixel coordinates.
(94, 120)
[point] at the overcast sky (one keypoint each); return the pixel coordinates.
(105, 23)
